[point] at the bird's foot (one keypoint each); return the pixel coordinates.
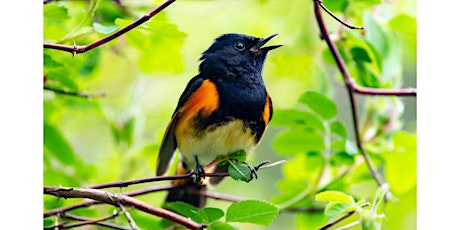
(199, 173)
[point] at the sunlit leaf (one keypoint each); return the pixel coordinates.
(401, 163)
(335, 209)
(310, 221)
(295, 141)
(338, 128)
(290, 117)
(404, 23)
(319, 103)
(334, 196)
(210, 214)
(184, 209)
(220, 226)
(252, 211)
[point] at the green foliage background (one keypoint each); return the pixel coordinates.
(116, 137)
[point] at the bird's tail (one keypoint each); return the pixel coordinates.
(187, 190)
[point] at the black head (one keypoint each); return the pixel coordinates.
(235, 55)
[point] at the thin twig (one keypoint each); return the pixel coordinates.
(122, 184)
(320, 2)
(98, 221)
(349, 82)
(332, 223)
(128, 217)
(76, 94)
(343, 217)
(219, 196)
(104, 224)
(115, 199)
(81, 49)
(93, 202)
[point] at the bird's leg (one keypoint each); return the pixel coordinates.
(199, 172)
(254, 169)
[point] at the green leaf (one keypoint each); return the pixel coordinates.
(290, 188)
(160, 43)
(290, 117)
(401, 163)
(104, 29)
(334, 196)
(252, 211)
(239, 171)
(294, 141)
(310, 221)
(342, 158)
(238, 155)
(56, 143)
(360, 55)
(338, 128)
(375, 34)
(220, 226)
(55, 12)
(404, 23)
(184, 209)
(209, 214)
(49, 62)
(335, 209)
(337, 5)
(319, 103)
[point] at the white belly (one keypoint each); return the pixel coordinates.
(219, 141)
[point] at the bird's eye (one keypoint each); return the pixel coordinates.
(239, 46)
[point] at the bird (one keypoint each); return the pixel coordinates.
(224, 109)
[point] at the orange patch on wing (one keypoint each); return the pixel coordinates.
(204, 99)
(268, 110)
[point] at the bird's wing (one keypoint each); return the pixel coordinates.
(169, 144)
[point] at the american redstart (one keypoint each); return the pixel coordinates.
(224, 109)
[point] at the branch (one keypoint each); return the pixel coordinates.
(349, 81)
(218, 196)
(121, 184)
(320, 2)
(81, 49)
(94, 202)
(76, 94)
(350, 84)
(86, 221)
(128, 217)
(104, 224)
(343, 217)
(116, 199)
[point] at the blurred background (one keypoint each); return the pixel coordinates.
(143, 73)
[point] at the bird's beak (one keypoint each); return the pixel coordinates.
(257, 47)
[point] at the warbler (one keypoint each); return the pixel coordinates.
(224, 109)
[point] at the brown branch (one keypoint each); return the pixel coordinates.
(100, 223)
(81, 49)
(122, 184)
(332, 223)
(94, 202)
(320, 2)
(343, 217)
(76, 94)
(349, 81)
(116, 199)
(350, 84)
(218, 196)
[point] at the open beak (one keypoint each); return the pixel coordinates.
(257, 47)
